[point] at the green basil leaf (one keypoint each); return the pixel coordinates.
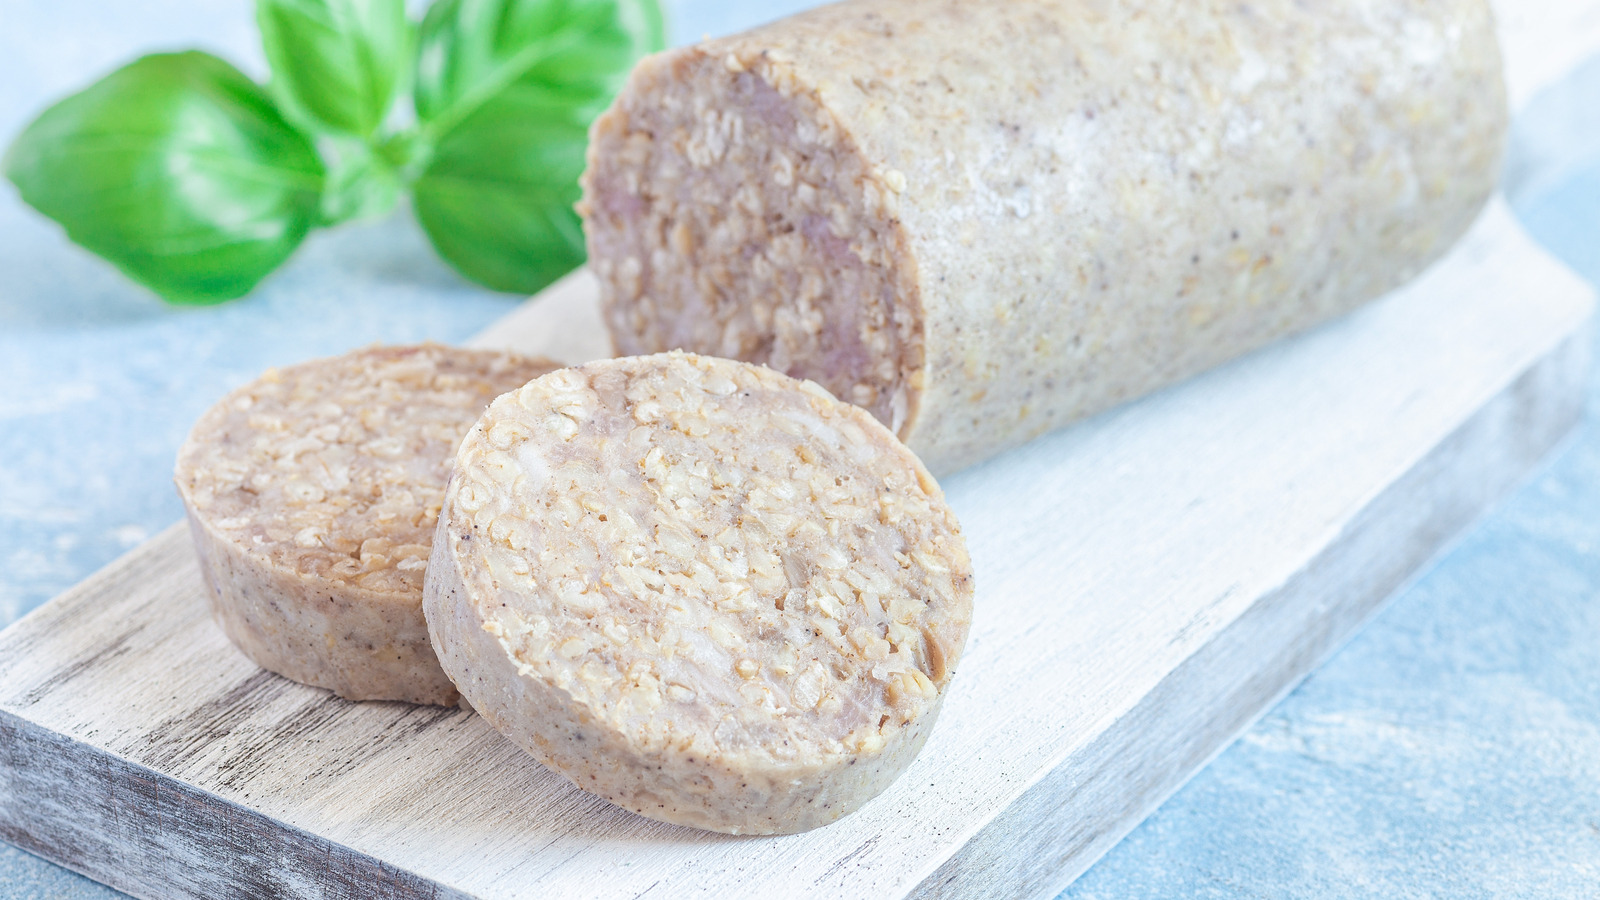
(336, 64)
(361, 183)
(577, 52)
(506, 90)
(496, 199)
(179, 170)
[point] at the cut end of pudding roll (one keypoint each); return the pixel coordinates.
(313, 493)
(707, 592)
(727, 213)
(982, 222)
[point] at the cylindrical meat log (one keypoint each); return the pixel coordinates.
(312, 495)
(700, 589)
(983, 220)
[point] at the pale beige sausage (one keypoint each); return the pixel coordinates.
(700, 589)
(312, 495)
(981, 221)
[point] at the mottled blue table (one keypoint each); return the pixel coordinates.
(1452, 749)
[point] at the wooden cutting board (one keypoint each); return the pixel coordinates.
(1148, 583)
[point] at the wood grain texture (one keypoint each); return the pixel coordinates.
(1148, 583)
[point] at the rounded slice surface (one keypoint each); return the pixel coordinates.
(312, 496)
(708, 592)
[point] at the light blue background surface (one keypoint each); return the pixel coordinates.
(1452, 749)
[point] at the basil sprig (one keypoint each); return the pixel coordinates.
(197, 182)
(493, 74)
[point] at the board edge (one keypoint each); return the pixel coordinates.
(1042, 842)
(68, 802)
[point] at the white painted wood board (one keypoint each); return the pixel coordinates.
(1149, 582)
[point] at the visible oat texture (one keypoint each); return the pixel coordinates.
(312, 495)
(705, 591)
(983, 221)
